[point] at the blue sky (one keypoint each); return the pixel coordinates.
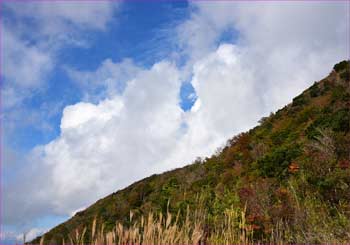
(91, 89)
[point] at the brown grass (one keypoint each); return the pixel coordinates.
(166, 229)
(233, 228)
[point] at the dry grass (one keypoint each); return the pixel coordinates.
(311, 224)
(231, 229)
(167, 229)
(159, 229)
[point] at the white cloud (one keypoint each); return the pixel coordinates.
(10, 237)
(106, 146)
(287, 44)
(30, 235)
(226, 105)
(52, 18)
(32, 41)
(267, 24)
(77, 115)
(25, 70)
(33, 34)
(108, 80)
(99, 144)
(25, 67)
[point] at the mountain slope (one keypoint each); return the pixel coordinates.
(300, 151)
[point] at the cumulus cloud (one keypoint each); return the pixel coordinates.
(238, 83)
(226, 105)
(141, 129)
(287, 44)
(105, 146)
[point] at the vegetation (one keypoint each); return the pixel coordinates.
(284, 181)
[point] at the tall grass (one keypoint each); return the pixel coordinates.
(311, 222)
(158, 229)
(166, 229)
(233, 228)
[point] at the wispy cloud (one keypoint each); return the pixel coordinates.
(107, 80)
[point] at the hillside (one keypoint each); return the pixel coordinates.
(293, 168)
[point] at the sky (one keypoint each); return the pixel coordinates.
(98, 94)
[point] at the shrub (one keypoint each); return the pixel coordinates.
(299, 100)
(338, 93)
(306, 115)
(280, 136)
(345, 75)
(341, 66)
(327, 85)
(337, 121)
(340, 120)
(166, 192)
(315, 90)
(275, 164)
